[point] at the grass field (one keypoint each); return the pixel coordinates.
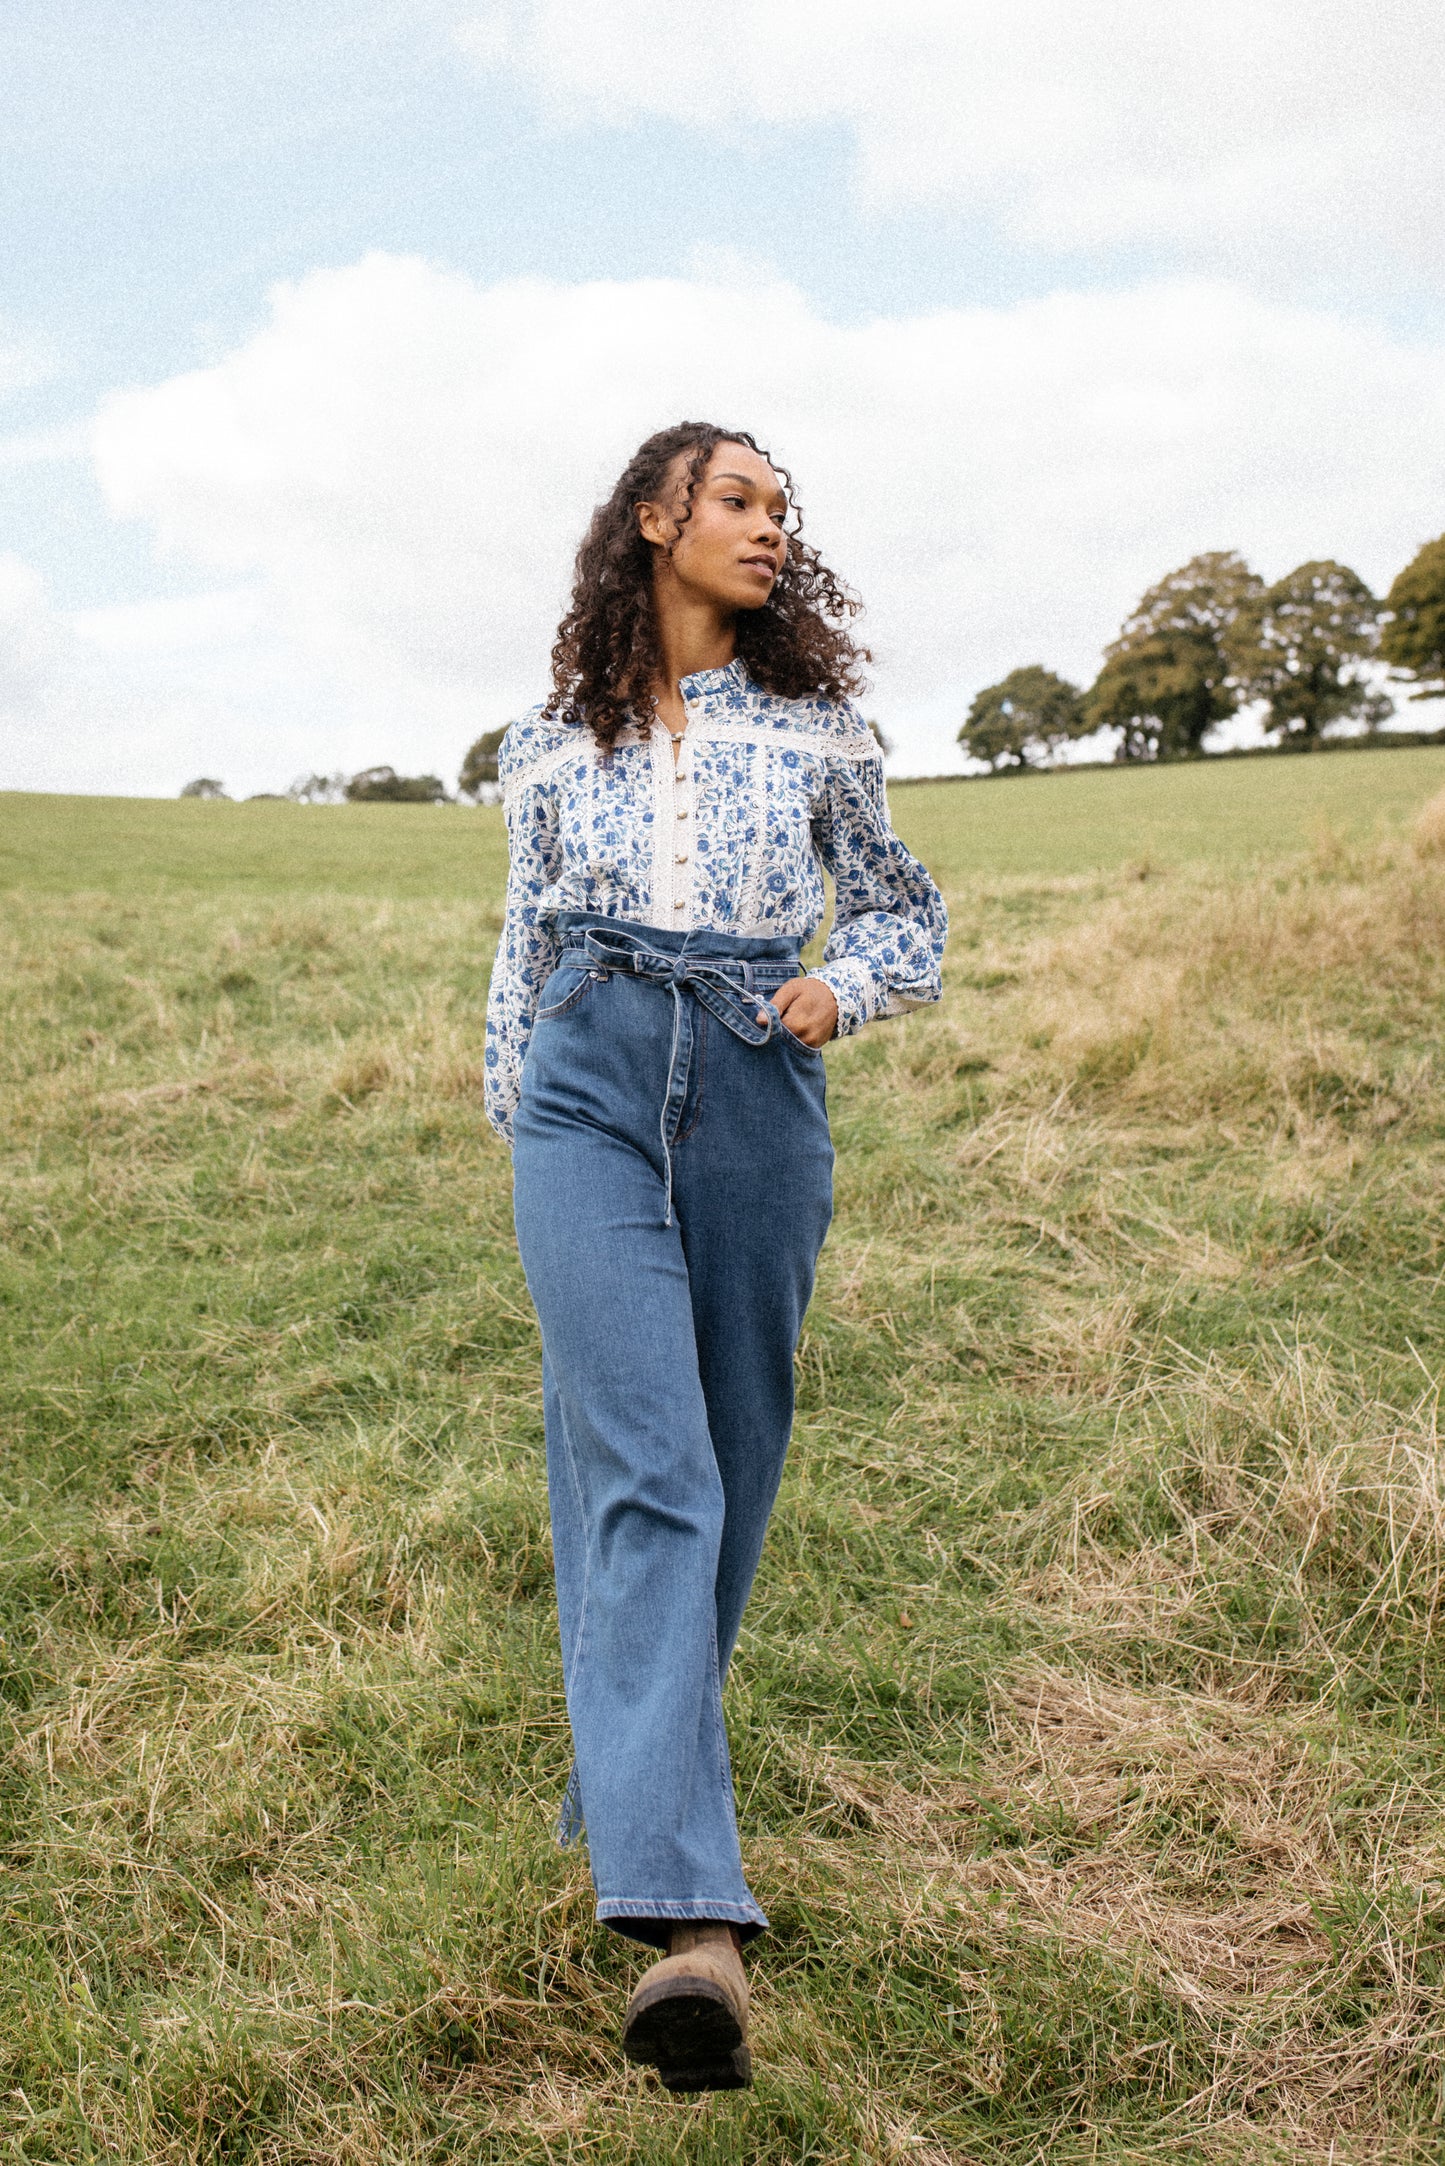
(1087, 1719)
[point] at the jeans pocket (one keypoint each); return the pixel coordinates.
(790, 1037)
(562, 991)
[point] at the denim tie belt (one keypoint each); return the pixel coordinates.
(726, 986)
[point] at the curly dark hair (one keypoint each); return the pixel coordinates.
(606, 656)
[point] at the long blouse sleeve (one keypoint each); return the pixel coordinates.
(528, 949)
(884, 954)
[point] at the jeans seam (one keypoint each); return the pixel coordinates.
(579, 1637)
(699, 1047)
(545, 1015)
(676, 1906)
(724, 1770)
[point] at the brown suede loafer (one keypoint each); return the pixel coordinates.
(688, 2017)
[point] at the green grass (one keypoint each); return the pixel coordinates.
(1223, 812)
(1087, 1717)
(1098, 819)
(147, 846)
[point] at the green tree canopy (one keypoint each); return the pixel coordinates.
(479, 768)
(1166, 678)
(1023, 721)
(318, 789)
(1413, 638)
(203, 786)
(1298, 646)
(384, 786)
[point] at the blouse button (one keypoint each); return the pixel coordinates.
(682, 857)
(682, 812)
(679, 904)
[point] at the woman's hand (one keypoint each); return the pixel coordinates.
(808, 1008)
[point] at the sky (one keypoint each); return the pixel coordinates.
(323, 327)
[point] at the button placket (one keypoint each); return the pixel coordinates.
(682, 805)
(674, 816)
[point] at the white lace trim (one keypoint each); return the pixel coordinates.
(547, 764)
(660, 911)
(682, 798)
(750, 888)
(858, 745)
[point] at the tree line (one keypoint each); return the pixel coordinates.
(1212, 638)
(373, 786)
(1204, 642)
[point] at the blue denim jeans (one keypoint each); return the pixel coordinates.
(673, 1185)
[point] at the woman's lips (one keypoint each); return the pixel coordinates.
(761, 564)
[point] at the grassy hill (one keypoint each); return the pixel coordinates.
(1087, 1718)
(1228, 812)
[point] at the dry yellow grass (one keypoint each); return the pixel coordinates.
(1428, 830)
(1087, 1718)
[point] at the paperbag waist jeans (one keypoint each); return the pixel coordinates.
(673, 1186)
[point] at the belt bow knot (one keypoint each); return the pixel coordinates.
(721, 984)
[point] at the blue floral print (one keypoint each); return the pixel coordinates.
(766, 793)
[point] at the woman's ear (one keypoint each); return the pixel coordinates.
(655, 526)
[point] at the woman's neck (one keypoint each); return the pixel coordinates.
(693, 635)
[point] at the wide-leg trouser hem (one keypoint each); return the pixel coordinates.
(647, 1919)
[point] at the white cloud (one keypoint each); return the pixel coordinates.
(33, 644)
(398, 467)
(56, 711)
(86, 705)
(139, 697)
(1273, 135)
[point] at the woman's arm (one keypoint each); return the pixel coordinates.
(528, 949)
(885, 952)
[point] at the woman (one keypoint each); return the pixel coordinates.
(653, 1056)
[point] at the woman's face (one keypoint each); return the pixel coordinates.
(732, 549)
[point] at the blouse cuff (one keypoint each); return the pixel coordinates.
(855, 989)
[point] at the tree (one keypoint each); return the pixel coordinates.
(204, 786)
(318, 789)
(1413, 638)
(1300, 645)
(384, 786)
(1023, 721)
(1166, 678)
(479, 768)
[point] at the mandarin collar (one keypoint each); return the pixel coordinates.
(732, 675)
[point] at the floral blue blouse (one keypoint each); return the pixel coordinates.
(765, 794)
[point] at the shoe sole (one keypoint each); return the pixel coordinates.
(734, 2074)
(692, 2037)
